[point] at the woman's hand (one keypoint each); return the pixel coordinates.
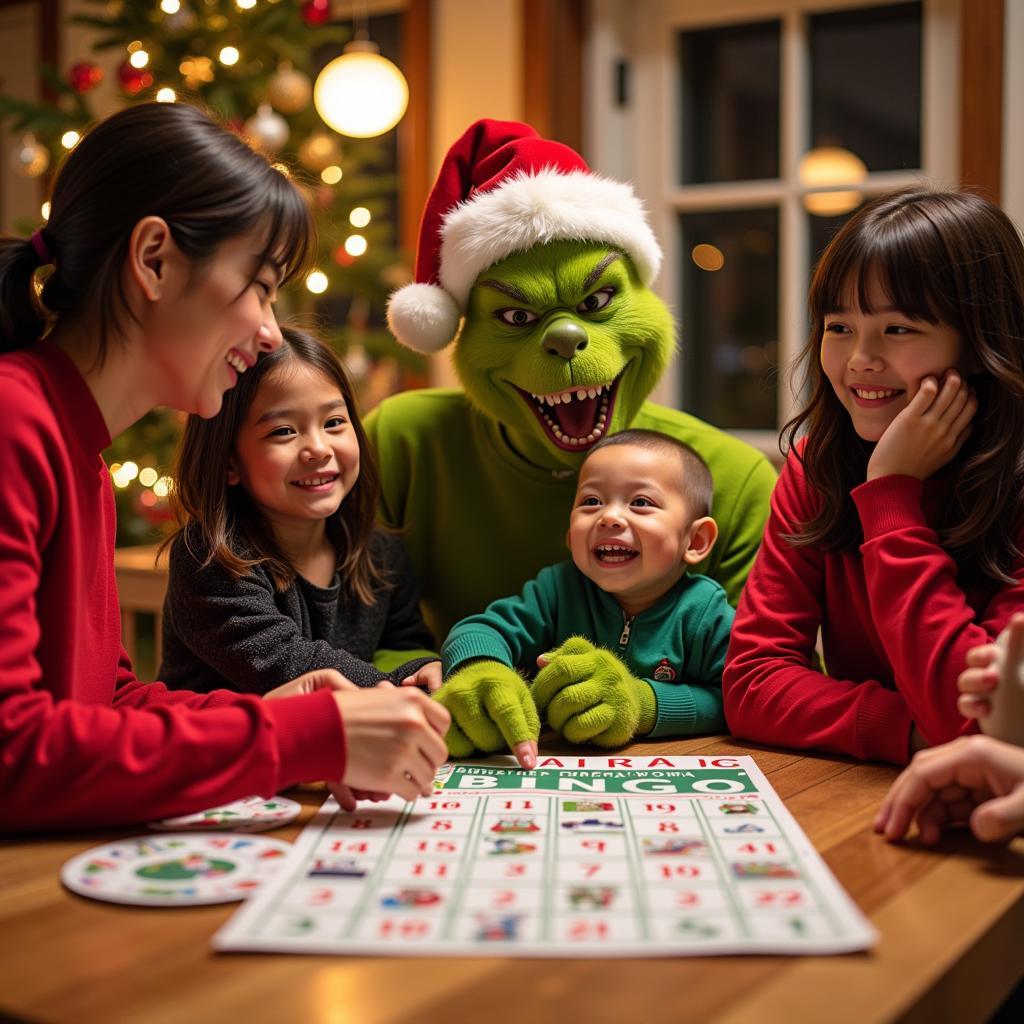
(394, 738)
(973, 780)
(987, 665)
(929, 432)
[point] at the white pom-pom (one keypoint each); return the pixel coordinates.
(423, 317)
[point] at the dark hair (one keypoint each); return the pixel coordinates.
(948, 258)
(695, 481)
(224, 520)
(167, 160)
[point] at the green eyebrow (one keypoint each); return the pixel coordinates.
(600, 269)
(506, 289)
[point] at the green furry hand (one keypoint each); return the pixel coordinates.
(591, 697)
(491, 708)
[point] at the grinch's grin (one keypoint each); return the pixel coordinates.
(575, 418)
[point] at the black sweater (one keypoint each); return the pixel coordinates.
(244, 635)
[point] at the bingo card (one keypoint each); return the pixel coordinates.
(583, 856)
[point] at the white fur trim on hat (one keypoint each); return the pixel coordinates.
(423, 317)
(533, 209)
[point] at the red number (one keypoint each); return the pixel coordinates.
(785, 898)
(448, 805)
(660, 808)
(582, 930)
(524, 805)
(755, 848)
(406, 929)
(597, 845)
(515, 871)
(439, 870)
(438, 846)
(504, 898)
(362, 823)
(589, 870)
(687, 898)
(320, 898)
(441, 825)
(667, 826)
(679, 871)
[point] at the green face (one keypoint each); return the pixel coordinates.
(562, 344)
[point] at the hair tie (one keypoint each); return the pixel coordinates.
(40, 247)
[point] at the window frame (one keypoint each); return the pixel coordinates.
(637, 140)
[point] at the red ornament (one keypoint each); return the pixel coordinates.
(316, 12)
(133, 80)
(342, 258)
(84, 76)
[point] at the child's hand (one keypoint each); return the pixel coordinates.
(318, 679)
(492, 710)
(928, 432)
(591, 697)
(973, 780)
(428, 675)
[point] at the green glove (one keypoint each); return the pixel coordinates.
(491, 709)
(591, 697)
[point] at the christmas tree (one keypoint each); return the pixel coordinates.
(252, 63)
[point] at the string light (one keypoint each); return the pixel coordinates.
(331, 175)
(166, 95)
(45, 210)
(316, 282)
(355, 245)
(170, 6)
(228, 56)
(139, 59)
(163, 486)
(245, 5)
(70, 139)
(359, 217)
(148, 476)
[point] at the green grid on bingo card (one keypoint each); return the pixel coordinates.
(370, 886)
(468, 857)
(636, 876)
(550, 869)
(725, 880)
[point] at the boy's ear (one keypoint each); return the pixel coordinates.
(149, 246)
(702, 536)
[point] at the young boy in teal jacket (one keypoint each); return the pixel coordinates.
(627, 642)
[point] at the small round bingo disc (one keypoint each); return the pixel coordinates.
(251, 814)
(175, 870)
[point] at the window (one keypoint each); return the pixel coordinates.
(753, 129)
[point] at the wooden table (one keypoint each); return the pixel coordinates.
(951, 921)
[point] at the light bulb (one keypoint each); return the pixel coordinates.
(361, 93)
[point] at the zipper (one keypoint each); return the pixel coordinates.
(627, 625)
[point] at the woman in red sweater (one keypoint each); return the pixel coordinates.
(167, 242)
(897, 524)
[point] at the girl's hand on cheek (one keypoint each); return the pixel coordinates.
(929, 432)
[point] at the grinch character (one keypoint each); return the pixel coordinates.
(549, 267)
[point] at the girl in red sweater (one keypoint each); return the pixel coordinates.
(167, 242)
(897, 524)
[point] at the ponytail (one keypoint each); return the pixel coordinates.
(22, 319)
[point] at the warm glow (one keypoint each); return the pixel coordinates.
(331, 175)
(361, 93)
(163, 486)
(170, 6)
(708, 257)
(166, 95)
(826, 167)
(228, 56)
(316, 282)
(282, 169)
(359, 217)
(45, 210)
(245, 5)
(130, 470)
(355, 245)
(139, 59)
(70, 139)
(148, 476)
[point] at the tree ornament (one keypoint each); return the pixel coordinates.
(133, 80)
(30, 158)
(289, 90)
(320, 150)
(266, 129)
(316, 12)
(84, 76)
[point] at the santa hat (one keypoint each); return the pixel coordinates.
(502, 189)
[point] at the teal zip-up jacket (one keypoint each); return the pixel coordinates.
(677, 646)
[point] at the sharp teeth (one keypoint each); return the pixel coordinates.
(580, 395)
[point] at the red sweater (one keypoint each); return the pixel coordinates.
(895, 627)
(83, 743)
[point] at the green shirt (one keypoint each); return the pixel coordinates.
(677, 646)
(478, 521)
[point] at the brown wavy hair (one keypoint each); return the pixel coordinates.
(944, 257)
(225, 523)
